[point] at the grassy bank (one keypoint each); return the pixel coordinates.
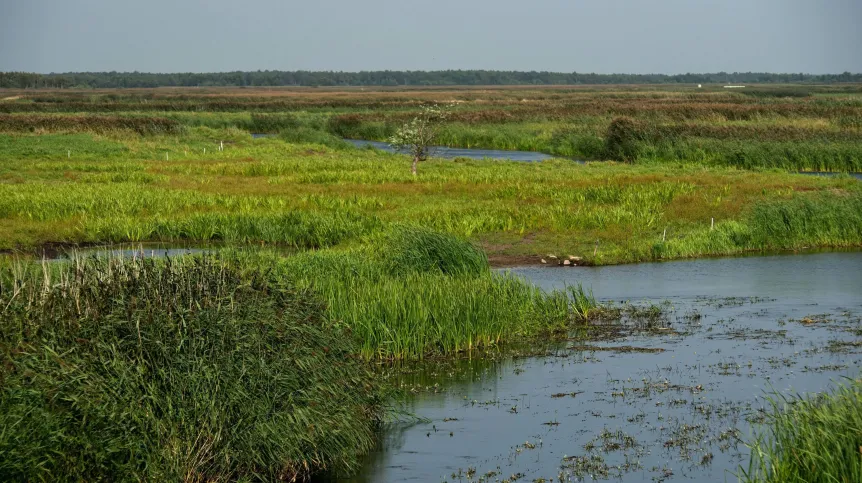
(412, 293)
(811, 439)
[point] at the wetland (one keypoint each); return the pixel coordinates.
(237, 292)
(667, 397)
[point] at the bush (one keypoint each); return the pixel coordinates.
(622, 139)
(200, 370)
(272, 123)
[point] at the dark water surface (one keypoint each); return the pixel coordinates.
(734, 329)
(450, 153)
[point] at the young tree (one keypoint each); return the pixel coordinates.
(417, 136)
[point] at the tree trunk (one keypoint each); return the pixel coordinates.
(415, 164)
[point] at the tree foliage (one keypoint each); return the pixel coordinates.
(417, 136)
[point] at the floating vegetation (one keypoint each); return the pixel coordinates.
(622, 349)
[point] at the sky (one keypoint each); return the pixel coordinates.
(602, 36)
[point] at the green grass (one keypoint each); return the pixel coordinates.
(121, 188)
(412, 293)
(242, 366)
(804, 221)
(790, 127)
(195, 369)
(810, 439)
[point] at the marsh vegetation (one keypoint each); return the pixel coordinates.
(334, 267)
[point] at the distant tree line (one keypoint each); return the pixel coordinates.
(25, 80)
(29, 80)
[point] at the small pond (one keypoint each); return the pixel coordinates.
(666, 398)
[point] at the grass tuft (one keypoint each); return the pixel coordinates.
(810, 439)
(178, 370)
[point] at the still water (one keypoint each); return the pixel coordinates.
(452, 153)
(669, 399)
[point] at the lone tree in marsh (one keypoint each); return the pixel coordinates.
(417, 136)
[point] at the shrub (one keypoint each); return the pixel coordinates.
(272, 123)
(622, 139)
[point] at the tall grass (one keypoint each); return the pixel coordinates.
(414, 294)
(178, 370)
(267, 190)
(297, 229)
(97, 124)
(806, 220)
(404, 249)
(307, 135)
(810, 439)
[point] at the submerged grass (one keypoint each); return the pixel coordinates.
(810, 439)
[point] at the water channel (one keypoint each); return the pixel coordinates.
(670, 398)
(476, 153)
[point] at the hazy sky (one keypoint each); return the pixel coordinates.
(604, 36)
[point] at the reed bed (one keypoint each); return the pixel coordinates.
(810, 439)
(307, 188)
(96, 124)
(413, 293)
(791, 127)
(195, 369)
(805, 221)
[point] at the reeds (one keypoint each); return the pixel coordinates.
(195, 369)
(810, 439)
(414, 294)
(96, 124)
